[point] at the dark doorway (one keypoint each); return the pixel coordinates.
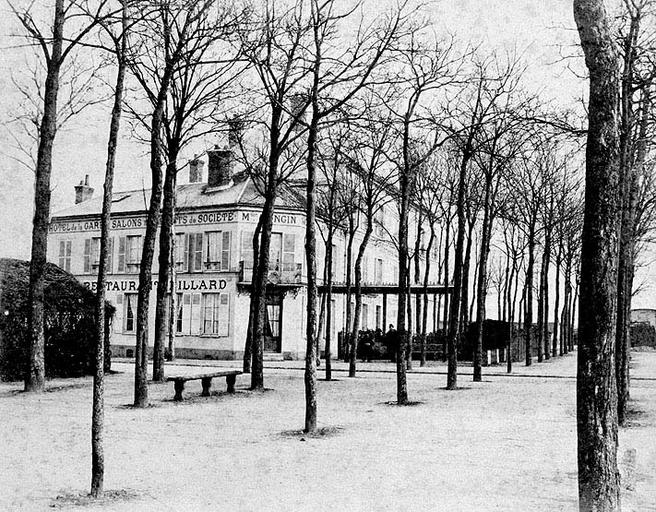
(273, 325)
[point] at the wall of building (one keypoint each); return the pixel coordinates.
(212, 277)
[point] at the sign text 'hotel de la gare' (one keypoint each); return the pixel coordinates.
(181, 219)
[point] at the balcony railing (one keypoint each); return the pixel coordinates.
(288, 274)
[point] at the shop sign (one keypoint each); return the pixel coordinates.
(183, 285)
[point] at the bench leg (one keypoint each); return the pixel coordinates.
(230, 380)
(207, 384)
(179, 388)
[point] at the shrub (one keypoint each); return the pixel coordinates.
(69, 323)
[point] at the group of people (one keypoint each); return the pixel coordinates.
(389, 340)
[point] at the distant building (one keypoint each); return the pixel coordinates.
(215, 222)
(644, 315)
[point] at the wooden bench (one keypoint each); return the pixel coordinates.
(206, 379)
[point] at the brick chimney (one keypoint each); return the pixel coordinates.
(220, 167)
(195, 170)
(83, 191)
(235, 127)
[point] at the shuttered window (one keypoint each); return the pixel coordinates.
(216, 314)
(289, 252)
(247, 248)
(65, 255)
(195, 252)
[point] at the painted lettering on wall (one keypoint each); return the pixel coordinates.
(278, 218)
(94, 225)
(184, 219)
(182, 285)
(181, 219)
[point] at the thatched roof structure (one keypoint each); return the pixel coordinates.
(69, 321)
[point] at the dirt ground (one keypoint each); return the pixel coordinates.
(506, 444)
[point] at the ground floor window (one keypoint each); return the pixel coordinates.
(129, 314)
(216, 313)
(188, 318)
(207, 313)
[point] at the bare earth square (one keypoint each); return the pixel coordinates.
(508, 443)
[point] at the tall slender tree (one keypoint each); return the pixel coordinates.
(119, 43)
(56, 47)
(598, 477)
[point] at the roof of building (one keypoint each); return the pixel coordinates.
(243, 192)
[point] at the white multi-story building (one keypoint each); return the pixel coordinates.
(214, 226)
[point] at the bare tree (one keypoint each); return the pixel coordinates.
(170, 25)
(428, 68)
(501, 142)
(56, 48)
(199, 99)
(366, 156)
(275, 45)
(119, 48)
(598, 476)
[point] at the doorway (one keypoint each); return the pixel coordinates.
(273, 324)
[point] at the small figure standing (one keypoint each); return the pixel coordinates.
(391, 342)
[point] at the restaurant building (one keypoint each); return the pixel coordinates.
(216, 216)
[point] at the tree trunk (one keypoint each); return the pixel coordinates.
(358, 295)
(408, 319)
(165, 238)
(456, 299)
(311, 257)
(545, 294)
(329, 300)
(102, 326)
(465, 279)
(261, 270)
(482, 279)
(599, 489)
(627, 261)
(445, 318)
(559, 259)
(152, 223)
(424, 322)
(512, 298)
(36, 372)
(406, 181)
(540, 322)
(528, 287)
(349, 259)
(248, 347)
(260, 281)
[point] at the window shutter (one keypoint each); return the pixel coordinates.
(224, 315)
(289, 251)
(186, 314)
(225, 251)
(198, 253)
(121, 254)
(110, 255)
(195, 313)
(87, 256)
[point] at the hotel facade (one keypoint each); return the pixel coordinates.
(214, 225)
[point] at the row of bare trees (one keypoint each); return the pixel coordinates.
(386, 116)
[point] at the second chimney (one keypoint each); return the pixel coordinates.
(195, 170)
(235, 128)
(83, 191)
(219, 167)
